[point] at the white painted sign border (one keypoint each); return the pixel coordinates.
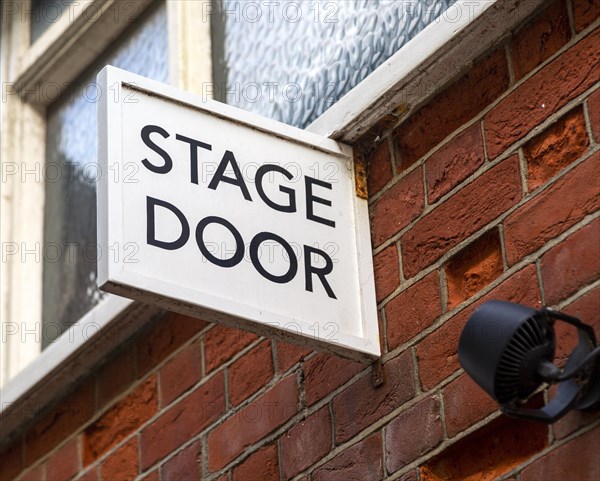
(114, 278)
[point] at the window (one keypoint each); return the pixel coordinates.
(69, 271)
(291, 61)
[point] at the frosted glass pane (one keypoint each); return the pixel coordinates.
(71, 172)
(291, 60)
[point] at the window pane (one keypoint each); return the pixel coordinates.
(69, 288)
(292, 60)
(46, 12)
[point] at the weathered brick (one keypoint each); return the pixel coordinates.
(558, 146)
(116, 375)
(471, 208)
(413, 310)
(11, 461)
(379, 168)
(180, 373)
(123, 464)
(489, 452)
(62, 421)
(324, 373)
(165, 336)
(387, 272)
(360, 462)
(361, 404)
(64, 464)
(452, 108)
(152, 476)
(185, 465)
(465, 403)
(246, 377)
(306, 443)
(553, 210)
(540, 96)
(252, 423)
(474, 267)
(572, 264)
(127, 415)
(585, 12)
(183, 420)
(454, 162)
(260, 466)
(222, 343)
(289, 355)
(397, 207)
(593, 104)
(540, 38)
(413, 433)
(437, 353)
(578, 459)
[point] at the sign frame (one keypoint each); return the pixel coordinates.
(114, 277)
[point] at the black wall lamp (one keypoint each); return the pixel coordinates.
(508, 349)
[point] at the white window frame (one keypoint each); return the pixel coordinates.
(407, 80)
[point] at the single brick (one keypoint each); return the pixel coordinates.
(222, 343)
(540, 38)
(578, 459)
(64, 464)
(250, 373)
(454, 162)
(470, 209)
(126, 416)
(437, 353)
(324, 373)
(165, 336)
(474, 267)
(413, 310)
(252, 423)
(260, 466)
(552, 211)
(557, 147)
(116, 376)
(489, 452)
(62, 421)
(180, 373)
(306, 443)
(585, 12)
(183, 420)
(360, 462)
(465, 403)
(572, 264)
(123, 463)
(397, 207)
(454, 107)
(289, 354)
(540, 96)
(185, 465)
(387, 272)
(593, 104)
(413, 433)
(11, 460)
(379, 168)
(361, 404)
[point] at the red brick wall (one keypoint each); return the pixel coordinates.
(491, 190)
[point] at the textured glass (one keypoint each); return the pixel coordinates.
(44, 13)
(291, 60)
(71, 173)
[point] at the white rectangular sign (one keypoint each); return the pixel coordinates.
(218, 213)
